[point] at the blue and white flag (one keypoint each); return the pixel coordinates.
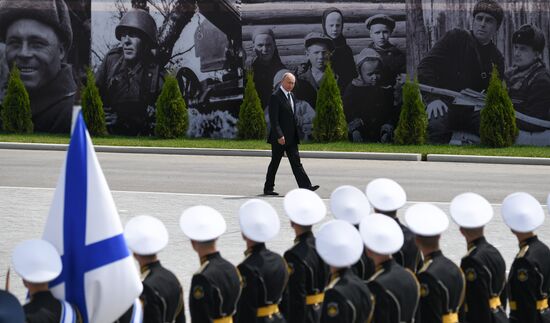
(99, 275)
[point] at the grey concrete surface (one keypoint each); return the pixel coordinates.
(163, 186)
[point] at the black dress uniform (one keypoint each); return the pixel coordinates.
(215, 291)
(167, 289)
(347, 299)
(308, 277)
(409, 256)
(45, 308)
(441, 290)
(528, 283)
(264, 275)
(396, 292)
(485, 273)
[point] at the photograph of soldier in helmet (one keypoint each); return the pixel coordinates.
(129, 78)
(38, 37)
(528, 82)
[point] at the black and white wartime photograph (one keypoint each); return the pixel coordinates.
(136, 43)
(49, 42)
(364, 42)
(465, 39)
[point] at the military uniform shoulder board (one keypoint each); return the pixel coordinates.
(332, 309)
(523, 251)
(203, 267)
(426, 265)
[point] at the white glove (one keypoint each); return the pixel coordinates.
(436, 108)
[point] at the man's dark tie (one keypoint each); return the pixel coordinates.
(290, 101)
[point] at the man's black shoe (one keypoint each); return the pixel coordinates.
(272, 193)
(313, 188)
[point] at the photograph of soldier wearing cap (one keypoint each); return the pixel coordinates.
(489, 33)
(130, 78)
(38, 36)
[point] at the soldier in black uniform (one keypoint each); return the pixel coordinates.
(37, 272)
(528, 279)
(462, 59)
(308, 273)
(396, 290)
(347, 297)
(264, 272)
(129, 79)
(442, 283)
(483, 265)
(386, 197)
(216, 286)
(528, 83)
(349, 204)
(146, 236)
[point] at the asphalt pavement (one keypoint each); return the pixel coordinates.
(164, 185)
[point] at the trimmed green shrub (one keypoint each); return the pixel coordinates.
(251, 123)
(92, 106)
(412, 127)
(171, 116)
(329, 123)
(497, 121)
(16, 107)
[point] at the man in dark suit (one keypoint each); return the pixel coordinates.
(283, 136)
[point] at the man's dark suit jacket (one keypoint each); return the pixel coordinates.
(282, 119)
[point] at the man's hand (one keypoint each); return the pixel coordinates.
(281, 140)
(436, 108)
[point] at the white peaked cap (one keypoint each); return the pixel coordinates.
(426, 219)
(259, 220)
(348, 203)
(471, 210)
(145, 235)
(202, 223)
(522, 212)
(339, 243)
(36, 261)
(304, 207)
(386, 195)
(381, 234)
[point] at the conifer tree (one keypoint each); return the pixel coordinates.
(251, 123)
(329, 123)
(412, 127)
(497, 121)
(16, 108)
(92, 106)
(171, 115)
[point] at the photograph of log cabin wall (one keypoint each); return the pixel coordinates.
(197, 41)
(364, 41)
(453, 45)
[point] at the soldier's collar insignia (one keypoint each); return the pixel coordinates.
(470, 274)
(198, 292)
(522, 275)
(144, 273)
(424, 290)
(523, 251)
(332, 309)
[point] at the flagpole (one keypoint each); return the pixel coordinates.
(8, 280)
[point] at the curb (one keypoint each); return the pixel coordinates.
(218, 152)
(488, 159)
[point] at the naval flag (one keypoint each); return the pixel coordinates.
(99, 275)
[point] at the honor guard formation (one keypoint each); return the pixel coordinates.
(364, 265)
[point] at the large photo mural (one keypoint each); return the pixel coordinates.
(450, 46)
